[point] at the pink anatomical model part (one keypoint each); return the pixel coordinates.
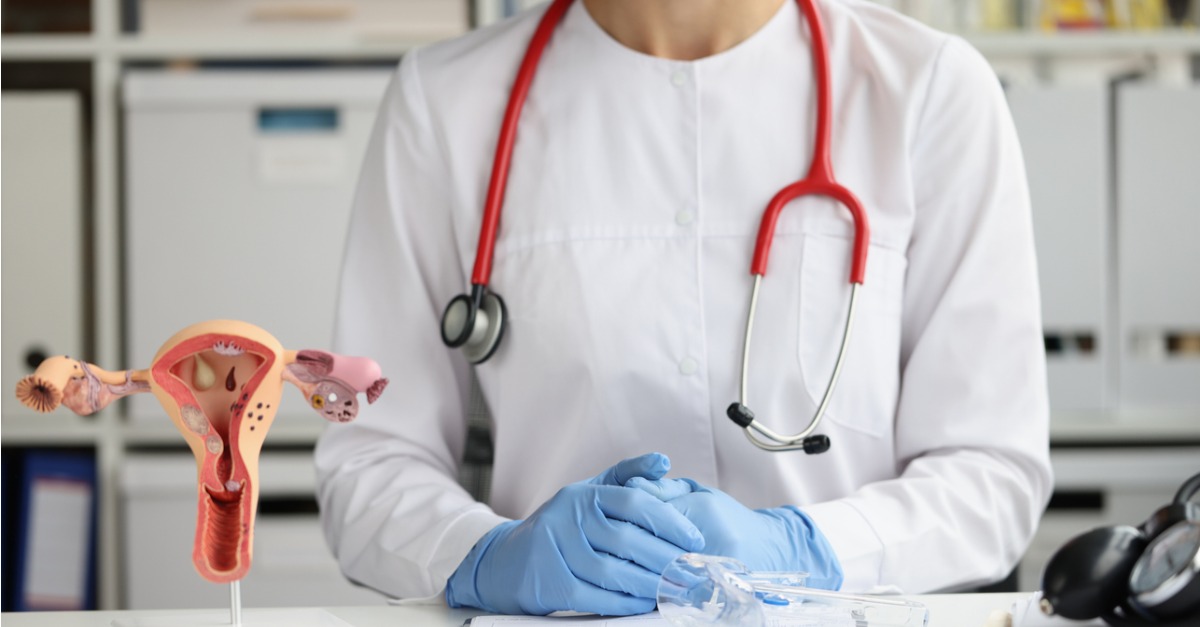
(220, 382)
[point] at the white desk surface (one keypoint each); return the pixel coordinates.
(946, 610)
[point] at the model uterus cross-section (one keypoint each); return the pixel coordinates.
(220, 382)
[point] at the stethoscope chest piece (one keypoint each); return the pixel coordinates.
(475, 324)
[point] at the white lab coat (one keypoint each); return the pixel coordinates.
(624, 249)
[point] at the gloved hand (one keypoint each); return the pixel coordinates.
(595, 546)
(776, 539)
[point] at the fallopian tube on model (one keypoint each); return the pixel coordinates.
(220, 382)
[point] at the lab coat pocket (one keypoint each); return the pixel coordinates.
(868, 388)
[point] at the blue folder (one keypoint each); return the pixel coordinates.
(56, 534)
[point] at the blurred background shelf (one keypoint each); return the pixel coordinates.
(34, 47)
(162, 434)
(1180, 427)
(161, 47)
(48, 47)
(52, 433)
(1086, 43)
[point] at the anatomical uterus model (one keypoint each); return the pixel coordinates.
(220, 382)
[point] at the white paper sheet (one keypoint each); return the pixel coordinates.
(56, 565)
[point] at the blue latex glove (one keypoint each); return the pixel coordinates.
(776, 539)
(596, 547)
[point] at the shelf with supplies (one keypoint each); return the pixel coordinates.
(1090, 57)
(56, 430)
(1172, 41)
(141, 47)
(1125, 427)
(202, 48)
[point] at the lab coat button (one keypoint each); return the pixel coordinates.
(679, 78)
(684, 217)
(688, 366)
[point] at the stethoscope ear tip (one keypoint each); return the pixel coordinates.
(740, 414)
(815, 444)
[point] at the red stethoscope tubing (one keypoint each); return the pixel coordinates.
(508, 135)
(818, 182)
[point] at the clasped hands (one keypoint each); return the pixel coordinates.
(600, 545)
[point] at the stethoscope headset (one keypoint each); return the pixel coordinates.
(475, 323)
(1132, 576)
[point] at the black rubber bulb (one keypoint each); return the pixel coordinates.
(1090, 574)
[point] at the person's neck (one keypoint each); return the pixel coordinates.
(681, 29)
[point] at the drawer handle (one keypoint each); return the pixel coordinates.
(34, 356)
(281, 120)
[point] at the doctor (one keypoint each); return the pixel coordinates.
(654, 134)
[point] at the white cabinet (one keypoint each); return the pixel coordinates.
(1158, 208)
(1064, 134)
(239, 185)
(44, 237)
(1115, 183)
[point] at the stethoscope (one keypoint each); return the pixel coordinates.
(476, 322)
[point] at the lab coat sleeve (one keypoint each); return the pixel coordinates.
(391, 508)
(971, 431)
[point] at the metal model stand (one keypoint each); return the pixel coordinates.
(235, 603)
